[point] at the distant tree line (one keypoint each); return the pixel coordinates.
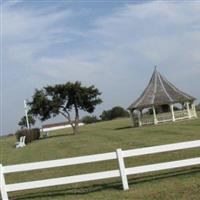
(90, 119)
(115, 112)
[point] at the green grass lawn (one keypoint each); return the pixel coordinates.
(183, 183)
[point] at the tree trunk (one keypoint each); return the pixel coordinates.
(75, 129)
(76, 123)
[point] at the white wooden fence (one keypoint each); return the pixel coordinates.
(121, 172)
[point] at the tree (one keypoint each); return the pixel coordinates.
(23, 122)
(114, 113)
(63, 99)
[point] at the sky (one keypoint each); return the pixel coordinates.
(113, 45)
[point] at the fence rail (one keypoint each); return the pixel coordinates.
(121, 172)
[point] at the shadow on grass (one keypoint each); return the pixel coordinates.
(117, 185)
(55, 136)
(122, 128)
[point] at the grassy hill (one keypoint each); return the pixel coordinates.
(102, 137)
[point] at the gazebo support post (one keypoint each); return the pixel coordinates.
(172, 111)
(194, 110)
(188, 110)
(154, 116)
(139, 119)
(132, 119)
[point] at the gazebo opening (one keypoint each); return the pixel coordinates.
(161, 102)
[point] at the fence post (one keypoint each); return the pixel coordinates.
(4, 193)
(122, 169)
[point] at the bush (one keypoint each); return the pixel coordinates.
(198, 107)
(119, 112)
(31, 134)
(106, 115)
(89, 119)
(114, 113)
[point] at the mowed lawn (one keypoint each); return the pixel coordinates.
(182, 183)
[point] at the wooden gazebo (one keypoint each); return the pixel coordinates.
(160, 102)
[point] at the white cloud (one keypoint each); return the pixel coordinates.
(116, 52)
(163, 33)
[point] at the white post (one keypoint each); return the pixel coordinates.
(26, 113)
(131, 116)
(194, 110)
(4, 193)
(122, 169)
(139, 119)
(172, 111)
(188, 110)
(154, 116)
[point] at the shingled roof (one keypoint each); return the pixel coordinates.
(159, 92)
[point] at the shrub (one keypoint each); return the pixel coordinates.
(198, 107)
(106, 115)
(119, 112)
(114, 113)
(31, 134)
(89, 119)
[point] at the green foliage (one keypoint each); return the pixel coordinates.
(22, 123)
(119, 112)
(62, 99)
(89, 119)
(106, 115)
(31, 134)
(114, 113)
(198, 107)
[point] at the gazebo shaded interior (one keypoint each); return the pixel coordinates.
(160, 102)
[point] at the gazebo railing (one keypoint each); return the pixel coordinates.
(193, 113)
(162, 117)
(147, 119)
(181, 114)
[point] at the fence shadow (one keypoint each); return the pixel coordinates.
(116, 185)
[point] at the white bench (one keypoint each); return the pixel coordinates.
(45, 134)
(21, 142)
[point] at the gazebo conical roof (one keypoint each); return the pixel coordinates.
(160, 92)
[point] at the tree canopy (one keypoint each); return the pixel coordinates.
(63, 99)
(23, 122)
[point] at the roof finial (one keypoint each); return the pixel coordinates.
(155, 67)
